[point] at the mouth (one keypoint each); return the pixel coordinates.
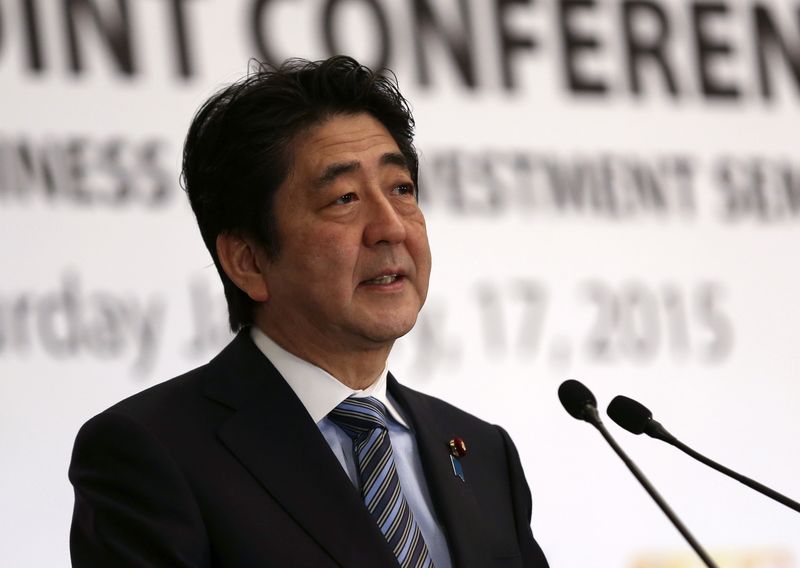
(384, 280)
(388, 279)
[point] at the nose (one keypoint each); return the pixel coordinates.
(384, 225)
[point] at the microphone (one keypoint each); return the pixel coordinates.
(581, 404)
(579, 401)
(637, 418)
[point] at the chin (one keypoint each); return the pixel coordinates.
(390, 328)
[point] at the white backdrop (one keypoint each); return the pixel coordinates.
(640, 238)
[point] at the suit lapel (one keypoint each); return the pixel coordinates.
(453, 499)
(272, 435)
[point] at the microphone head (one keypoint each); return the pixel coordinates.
(577, 399)
(631, 415)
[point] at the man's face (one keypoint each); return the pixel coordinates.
(354, 261)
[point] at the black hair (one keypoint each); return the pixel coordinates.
(238, 148)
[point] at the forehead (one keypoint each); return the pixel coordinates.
(342, 138)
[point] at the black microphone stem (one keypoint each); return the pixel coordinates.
(652, 491)
(764, 490)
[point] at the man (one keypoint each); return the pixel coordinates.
(294, 446)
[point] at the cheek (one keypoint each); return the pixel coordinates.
(329, 255)
(421, 252)
(418, 244)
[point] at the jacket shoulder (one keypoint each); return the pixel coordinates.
(167, 396)
(186, 394)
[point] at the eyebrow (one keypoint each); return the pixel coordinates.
(394, 159)
(335, 171)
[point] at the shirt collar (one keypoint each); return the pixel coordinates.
(319, 391)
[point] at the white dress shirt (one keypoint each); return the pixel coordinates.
(320, 393)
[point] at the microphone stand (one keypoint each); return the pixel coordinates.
(661, 434)
(592, 416)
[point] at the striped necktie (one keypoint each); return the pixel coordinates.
(364, 420)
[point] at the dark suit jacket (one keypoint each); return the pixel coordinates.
(224, 467)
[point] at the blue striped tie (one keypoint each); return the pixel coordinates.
(364, 420)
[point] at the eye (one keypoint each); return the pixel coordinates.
(345, 199)
(405, 189)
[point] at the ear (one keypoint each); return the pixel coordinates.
(244, 261)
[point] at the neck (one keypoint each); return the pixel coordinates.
(356, 368)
